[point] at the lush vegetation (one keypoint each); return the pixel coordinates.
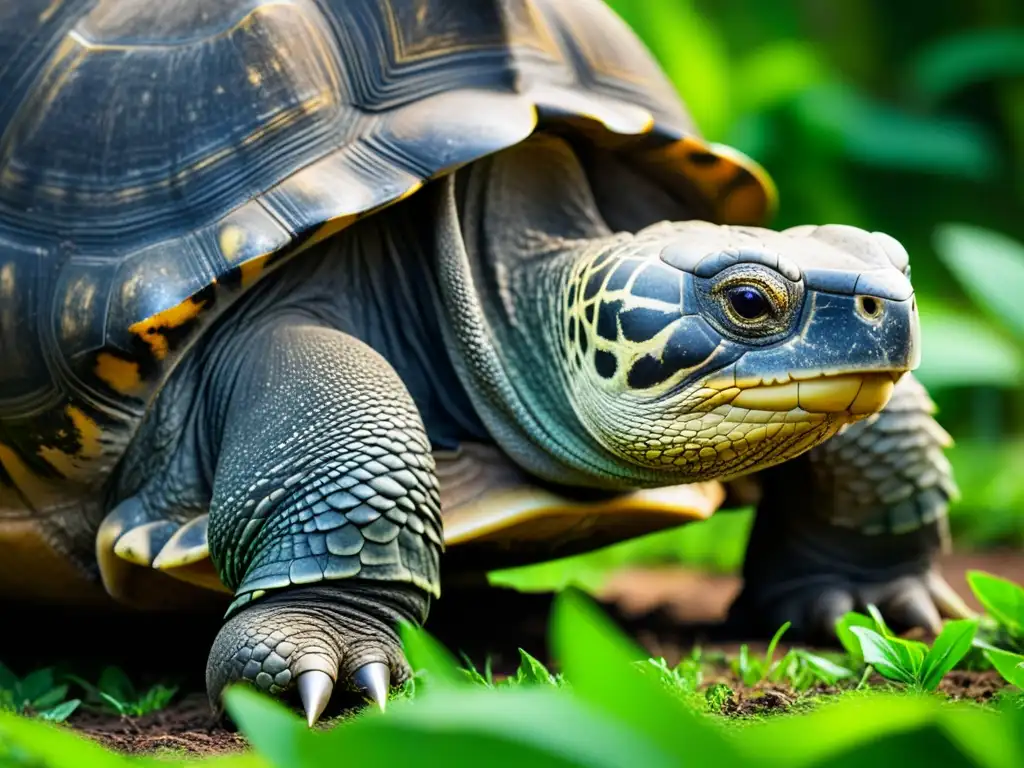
(888, 116)
(608, 706)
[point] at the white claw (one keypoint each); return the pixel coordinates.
(375, 680)
(315, 688)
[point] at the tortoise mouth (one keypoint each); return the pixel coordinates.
(859, 394)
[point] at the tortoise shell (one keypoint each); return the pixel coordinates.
(158, 158)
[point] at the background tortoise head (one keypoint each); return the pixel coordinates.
(711, 351)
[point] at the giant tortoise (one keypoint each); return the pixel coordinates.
(299, 294)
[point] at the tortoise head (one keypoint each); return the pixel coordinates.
(711, 351)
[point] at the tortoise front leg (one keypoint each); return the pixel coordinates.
(325, 519)
(858, 520)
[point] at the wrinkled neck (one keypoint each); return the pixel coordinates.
(504, 319)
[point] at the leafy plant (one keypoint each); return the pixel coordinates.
(1003, 601)
(37, 694)
(752, 670)
(531, 671)
(802, 670)
(115, 692)
(911, 662)
(1009, 665)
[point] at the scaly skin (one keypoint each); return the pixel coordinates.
(595, 359)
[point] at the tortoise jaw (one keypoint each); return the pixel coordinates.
(858, 394)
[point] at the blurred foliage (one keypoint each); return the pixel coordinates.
(899, 117)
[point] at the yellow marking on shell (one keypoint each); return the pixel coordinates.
(151, 329)
(121, 375)
(89, 433)
(36, 490)
(518, 510)
(253, 269)
(49, 10)
(254, 76)
(335, 225)
(231, 239)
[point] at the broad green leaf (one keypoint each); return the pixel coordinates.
(961, 349)
(36, 684)
(597, 661)
(274, 732)
(819, 737)
(826, 668)
(1002, 599)
(506, 728)
(1009, 665)
(989, 739)
(54, 746)
(51, 698)
(879, 135)
(964, 59)
(880, 626)
(426, 654)
(8, 680)
(949, 647)
(890, 656)
(849, 641)
(60, 712)
(115, 683)
(990, 267)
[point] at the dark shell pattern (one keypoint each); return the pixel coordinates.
(157, 157)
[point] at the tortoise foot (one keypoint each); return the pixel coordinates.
(316, 640)
(906, 602)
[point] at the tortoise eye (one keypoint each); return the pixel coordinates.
(748, 302)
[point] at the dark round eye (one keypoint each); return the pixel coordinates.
(748, 302)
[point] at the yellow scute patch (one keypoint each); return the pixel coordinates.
(149, 330)
(122, 375)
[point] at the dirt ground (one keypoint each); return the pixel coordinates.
(665, 608)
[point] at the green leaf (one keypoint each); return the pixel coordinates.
(949, 647)
(118, 706)
(961, 349)
(52, 697)
(838, 728)
(987, 739)
(426, 654)
(532, 671)
(880, 626)
(36, 684)
(116, 684)
(52, 745)
(989, 266)
(824, 668)
(957, 62)
(504, 728)
(1009, 665)
(597, 660)
(1002, 599)
(61, 712)
(875, 134)
(849, 641)
(274, 732)
(890, 656)
(8, 680)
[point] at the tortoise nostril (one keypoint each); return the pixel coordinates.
(869, 307)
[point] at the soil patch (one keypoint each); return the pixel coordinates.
(186, 727)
